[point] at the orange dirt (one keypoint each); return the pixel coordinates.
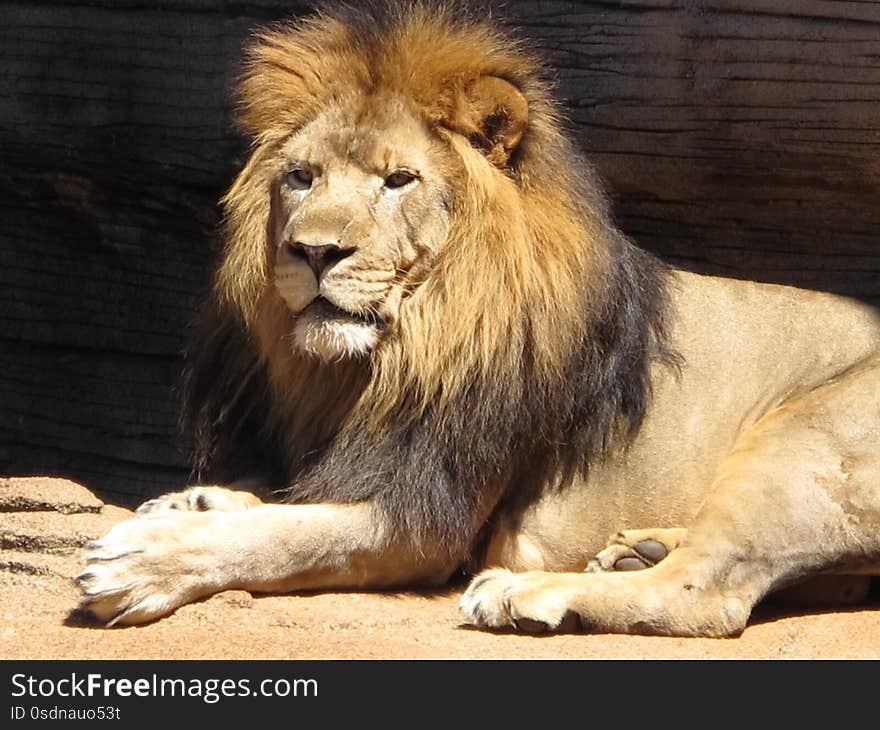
(42, 521)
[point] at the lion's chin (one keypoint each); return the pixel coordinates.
(331, 334)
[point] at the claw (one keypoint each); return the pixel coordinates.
(83, 578)
(96, 556)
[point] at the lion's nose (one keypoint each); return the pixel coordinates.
(319, 257)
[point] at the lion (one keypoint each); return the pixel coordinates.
(428, 341)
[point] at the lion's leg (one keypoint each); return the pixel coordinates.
(798, 497)
(201, 499)
(145, 568)
(636, 549)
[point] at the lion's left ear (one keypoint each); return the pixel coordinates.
(492, 113)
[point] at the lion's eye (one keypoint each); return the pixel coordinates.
(400, 178)
(299, 178)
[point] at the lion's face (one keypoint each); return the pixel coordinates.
(360, 208)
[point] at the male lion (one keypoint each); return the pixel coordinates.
(426, 328)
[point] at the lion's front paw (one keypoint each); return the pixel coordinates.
(534, 602)
(145, 568)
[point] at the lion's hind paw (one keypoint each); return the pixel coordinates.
(636, 550)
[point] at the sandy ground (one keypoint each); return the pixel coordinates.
(44, 521)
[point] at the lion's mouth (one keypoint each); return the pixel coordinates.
(333, 333)
(328, 311)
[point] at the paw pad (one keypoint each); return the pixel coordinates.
(651, 550)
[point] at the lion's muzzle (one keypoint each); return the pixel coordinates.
(296, 283)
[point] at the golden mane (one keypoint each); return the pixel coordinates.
(536, 325)
(520, 253)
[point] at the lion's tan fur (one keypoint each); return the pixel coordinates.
(542, 384)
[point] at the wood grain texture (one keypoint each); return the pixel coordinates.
(739, 137)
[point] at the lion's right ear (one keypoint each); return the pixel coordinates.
(492, 113)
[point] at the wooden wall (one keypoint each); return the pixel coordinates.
(739, 137)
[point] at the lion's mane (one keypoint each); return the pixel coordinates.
(522, 356)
